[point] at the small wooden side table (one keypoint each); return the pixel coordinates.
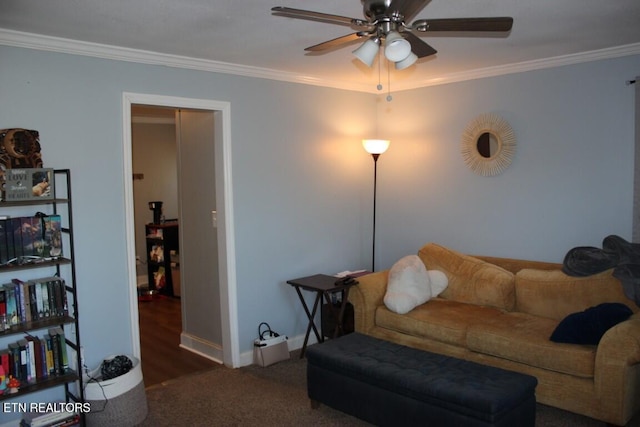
(323, 285)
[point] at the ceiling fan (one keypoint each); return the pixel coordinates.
(386, 22)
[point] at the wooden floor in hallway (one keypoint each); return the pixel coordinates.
(162, 357)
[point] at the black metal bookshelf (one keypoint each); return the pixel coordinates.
(62, 267)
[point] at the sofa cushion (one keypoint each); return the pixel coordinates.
(409, 285)
(524, 338)
(555, 295)
(471, 280)
(587, 327)
(439, 319)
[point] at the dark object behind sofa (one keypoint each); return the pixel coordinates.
(616, 253)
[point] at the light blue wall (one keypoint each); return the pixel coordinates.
(570, 183)
(302, 183)
(300, 188)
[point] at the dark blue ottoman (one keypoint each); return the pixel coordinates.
(389, 384)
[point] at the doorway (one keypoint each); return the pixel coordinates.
(227, 350)
(162, 140)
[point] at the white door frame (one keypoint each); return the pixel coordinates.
(224, 205)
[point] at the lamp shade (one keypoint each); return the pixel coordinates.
(407, 62)
(396, 47)
(375, 146)
(367, 51)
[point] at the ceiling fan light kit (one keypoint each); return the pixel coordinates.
(367, 51)
(407, 62)
(387, 20)
(396, 48)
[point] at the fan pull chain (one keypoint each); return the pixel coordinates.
(389, 97)
(379, 87)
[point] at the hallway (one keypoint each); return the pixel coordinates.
(162, 358)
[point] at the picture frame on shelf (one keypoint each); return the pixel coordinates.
(20, 185)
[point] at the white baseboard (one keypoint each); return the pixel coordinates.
(201, 347)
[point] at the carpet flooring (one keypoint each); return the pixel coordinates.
(272, 396)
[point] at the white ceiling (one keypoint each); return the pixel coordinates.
(242, 36)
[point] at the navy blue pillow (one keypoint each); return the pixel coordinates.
(587, 327)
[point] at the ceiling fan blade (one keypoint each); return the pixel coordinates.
(464, 24)
(406, 8)
(339, 41)
(318, 16)
(418, 46)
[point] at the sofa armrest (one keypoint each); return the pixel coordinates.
(617, 369)
(621, 344)
(366, 297)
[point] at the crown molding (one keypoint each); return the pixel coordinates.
(538, 64)
(75, 47)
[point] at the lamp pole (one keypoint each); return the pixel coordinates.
(375, 185)
(375, 147)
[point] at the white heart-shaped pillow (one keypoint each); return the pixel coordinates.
(439, 282)
(408, 286)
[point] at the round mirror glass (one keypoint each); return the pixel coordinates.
(487, 145)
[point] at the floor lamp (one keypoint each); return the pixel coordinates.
(375, 147)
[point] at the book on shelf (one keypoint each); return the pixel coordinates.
(33, 306)
(33, 300)
(23, 301)
(28, 358)
(4, 249)
(31, 359)
(58, 343)
(37, 366)
(13, 230)
(24, 374)
(3, 307)
(5, 360)
(31, 235)
(11, 301)
(47, 306)
(20, 302)
(52, 225)
(14, 359)
(7, 238)
(53, 298)
(45, 359)
(54, 418)
(51, 365)
(30, 238)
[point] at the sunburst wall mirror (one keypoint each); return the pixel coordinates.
(488, 145)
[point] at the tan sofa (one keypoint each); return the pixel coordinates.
(501, 312)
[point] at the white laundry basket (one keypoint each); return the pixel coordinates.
(120, 401)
